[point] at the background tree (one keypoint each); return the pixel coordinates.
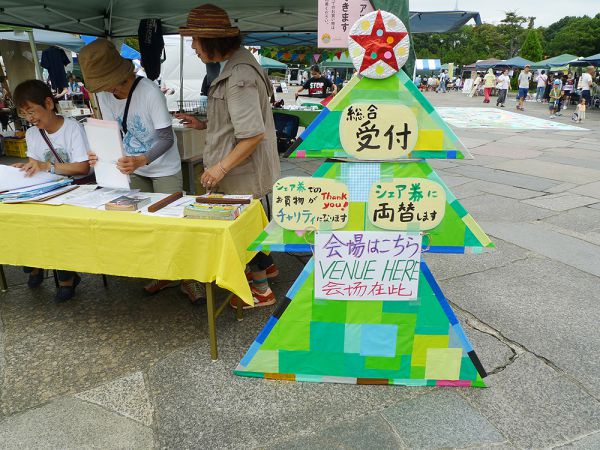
(532, 47)
(511, 28)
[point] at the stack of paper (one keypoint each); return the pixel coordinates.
(14, 178)
(33, 193)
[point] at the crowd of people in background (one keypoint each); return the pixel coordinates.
(557, 89)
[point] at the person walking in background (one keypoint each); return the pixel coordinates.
(541, 86)
(568, 89)
(489, 82)
(476, 84)
(503, 86)
(585, 84)
(524, 79)
(443, 81)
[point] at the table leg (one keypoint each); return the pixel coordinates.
(3, 283)
(191, 181)
(212, 318)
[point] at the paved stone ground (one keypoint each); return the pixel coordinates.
(115, 369)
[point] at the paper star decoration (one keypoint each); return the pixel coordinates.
(382, 51)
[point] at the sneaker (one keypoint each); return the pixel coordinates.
(65, 293)
(35, 280)
(194, 290)
(272, 272)
(552, 116)
(265, 298)
(156, 286)
(559, 114)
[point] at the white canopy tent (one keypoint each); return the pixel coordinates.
(176, 67)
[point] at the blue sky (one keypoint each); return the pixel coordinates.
(492, 11)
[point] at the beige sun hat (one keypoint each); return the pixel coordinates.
(102, 66)
(209, 21)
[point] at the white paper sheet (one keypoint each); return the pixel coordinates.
(104, 138)
(98, 198)
(175, 209)
(64, 198)
(14, 178)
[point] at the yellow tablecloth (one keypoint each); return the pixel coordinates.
(131, 244)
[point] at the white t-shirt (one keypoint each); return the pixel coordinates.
(147, 113)
(69, 142)
(585, 82)
(524, 80)
(541, 81)
(504, 81)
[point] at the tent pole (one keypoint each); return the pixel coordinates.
(181, 74)
(36, 61)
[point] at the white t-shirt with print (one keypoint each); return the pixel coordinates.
(147, 113)
(69, 142)
(504, 81)
(585, 82)
(524, 78)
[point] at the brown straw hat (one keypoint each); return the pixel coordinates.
(102, 66)
(209, 21)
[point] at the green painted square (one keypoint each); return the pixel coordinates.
(460, 210)
(352, 338)
(382, 363)
(400, 307)
(323, 137)
(312, 363)
(471, 240)
(266, 361)
(327, 337)
(288, 335)
(405, 340)
(467, 369)
(405, 367)
(329, 311)
(417, 372)
(363, 312)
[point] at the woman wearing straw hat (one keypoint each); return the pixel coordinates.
(241, 147)
(152, 158)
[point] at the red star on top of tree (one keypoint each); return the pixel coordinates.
(379, 45)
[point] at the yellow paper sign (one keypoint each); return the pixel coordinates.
(413, 204)
(378, 131)
(301, 203)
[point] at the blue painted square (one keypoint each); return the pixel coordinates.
(378, 340)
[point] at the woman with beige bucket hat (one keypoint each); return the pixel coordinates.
(152, 158)
(240, 155)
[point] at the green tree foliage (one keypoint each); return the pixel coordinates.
(532, 47)
(512, 32)
(578, 35)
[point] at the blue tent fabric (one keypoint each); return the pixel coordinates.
(593, 60)
(516, 63)
(420, 22)
(126, 51)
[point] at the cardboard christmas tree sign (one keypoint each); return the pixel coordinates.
(366, 309)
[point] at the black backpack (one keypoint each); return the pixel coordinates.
(152, 46)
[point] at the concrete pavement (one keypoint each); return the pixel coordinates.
(113, 369)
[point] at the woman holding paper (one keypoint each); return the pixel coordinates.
(241, 147)
(140, 108)
(56, 145)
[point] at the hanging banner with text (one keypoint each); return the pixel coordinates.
(407, 204)
(336, 17)
(378, 131)
(367, 265)
(301, 203)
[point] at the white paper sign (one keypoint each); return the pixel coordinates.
(104, 138)
(367, 265)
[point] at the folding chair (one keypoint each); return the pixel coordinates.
(286, 127)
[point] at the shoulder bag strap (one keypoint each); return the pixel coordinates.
(54, 152)
(124, 125)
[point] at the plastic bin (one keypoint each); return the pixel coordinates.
(15, 147)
